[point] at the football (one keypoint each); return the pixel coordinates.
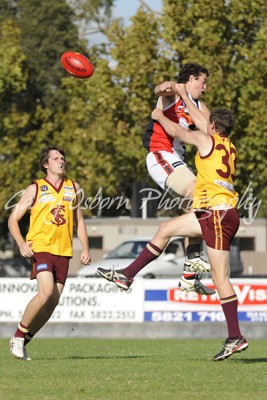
(77, 64)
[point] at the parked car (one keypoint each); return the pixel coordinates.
(169, 264)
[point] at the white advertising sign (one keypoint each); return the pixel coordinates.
(83, 300)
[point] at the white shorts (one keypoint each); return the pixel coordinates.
(161, 164)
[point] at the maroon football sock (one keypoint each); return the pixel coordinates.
(229, 306)
(21, 331)
(148, 254)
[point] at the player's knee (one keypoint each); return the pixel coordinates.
(219, 278)
(164, 230)
(46, 295)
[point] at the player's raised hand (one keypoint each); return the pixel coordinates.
(166, 88)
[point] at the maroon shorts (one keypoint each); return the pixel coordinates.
(58, 265)
(218, 227)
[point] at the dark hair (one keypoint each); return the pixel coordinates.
(44, 155)
(223, 120)
(191, 69)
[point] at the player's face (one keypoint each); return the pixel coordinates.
(56, 162)
(196, 86)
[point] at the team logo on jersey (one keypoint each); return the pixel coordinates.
(58, 213)
(44, 188)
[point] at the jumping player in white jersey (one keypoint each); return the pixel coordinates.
(165, 159)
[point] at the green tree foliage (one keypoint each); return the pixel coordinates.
(13, 117)
(33, 37)
(229, 37)
(100, 121)
(108, 112)
(47, 29)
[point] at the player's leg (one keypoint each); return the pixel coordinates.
(60, 267)
(37, 303)
(218, 229)
(176, 227)
(182, 182)
(235, 342)
(184, 225)
(45, 313)
(170, 172)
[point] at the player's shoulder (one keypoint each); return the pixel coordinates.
(30, 191)
(76, 185)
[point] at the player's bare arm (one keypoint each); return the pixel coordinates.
(200, 117)
(199, 139)
(85, 257)
(18, 212)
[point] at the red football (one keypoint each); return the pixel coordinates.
(77, 64)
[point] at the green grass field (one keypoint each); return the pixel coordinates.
(132, 369)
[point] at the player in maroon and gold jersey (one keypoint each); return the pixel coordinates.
(54, 209)
(215, 214)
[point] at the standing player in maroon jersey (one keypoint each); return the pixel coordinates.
(54, 206)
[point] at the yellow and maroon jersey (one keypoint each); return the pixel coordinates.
(52, 218)
(216, 174)
(156, 138)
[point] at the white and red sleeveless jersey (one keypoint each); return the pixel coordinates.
(156, 138)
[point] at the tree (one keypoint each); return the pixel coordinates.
(13, 118)
(100, 120)
(33, 37)
(228, 38)
(108, 112)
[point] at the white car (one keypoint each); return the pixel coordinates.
(169, 263)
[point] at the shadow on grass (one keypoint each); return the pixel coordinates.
(87, 358)
(249, 360)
